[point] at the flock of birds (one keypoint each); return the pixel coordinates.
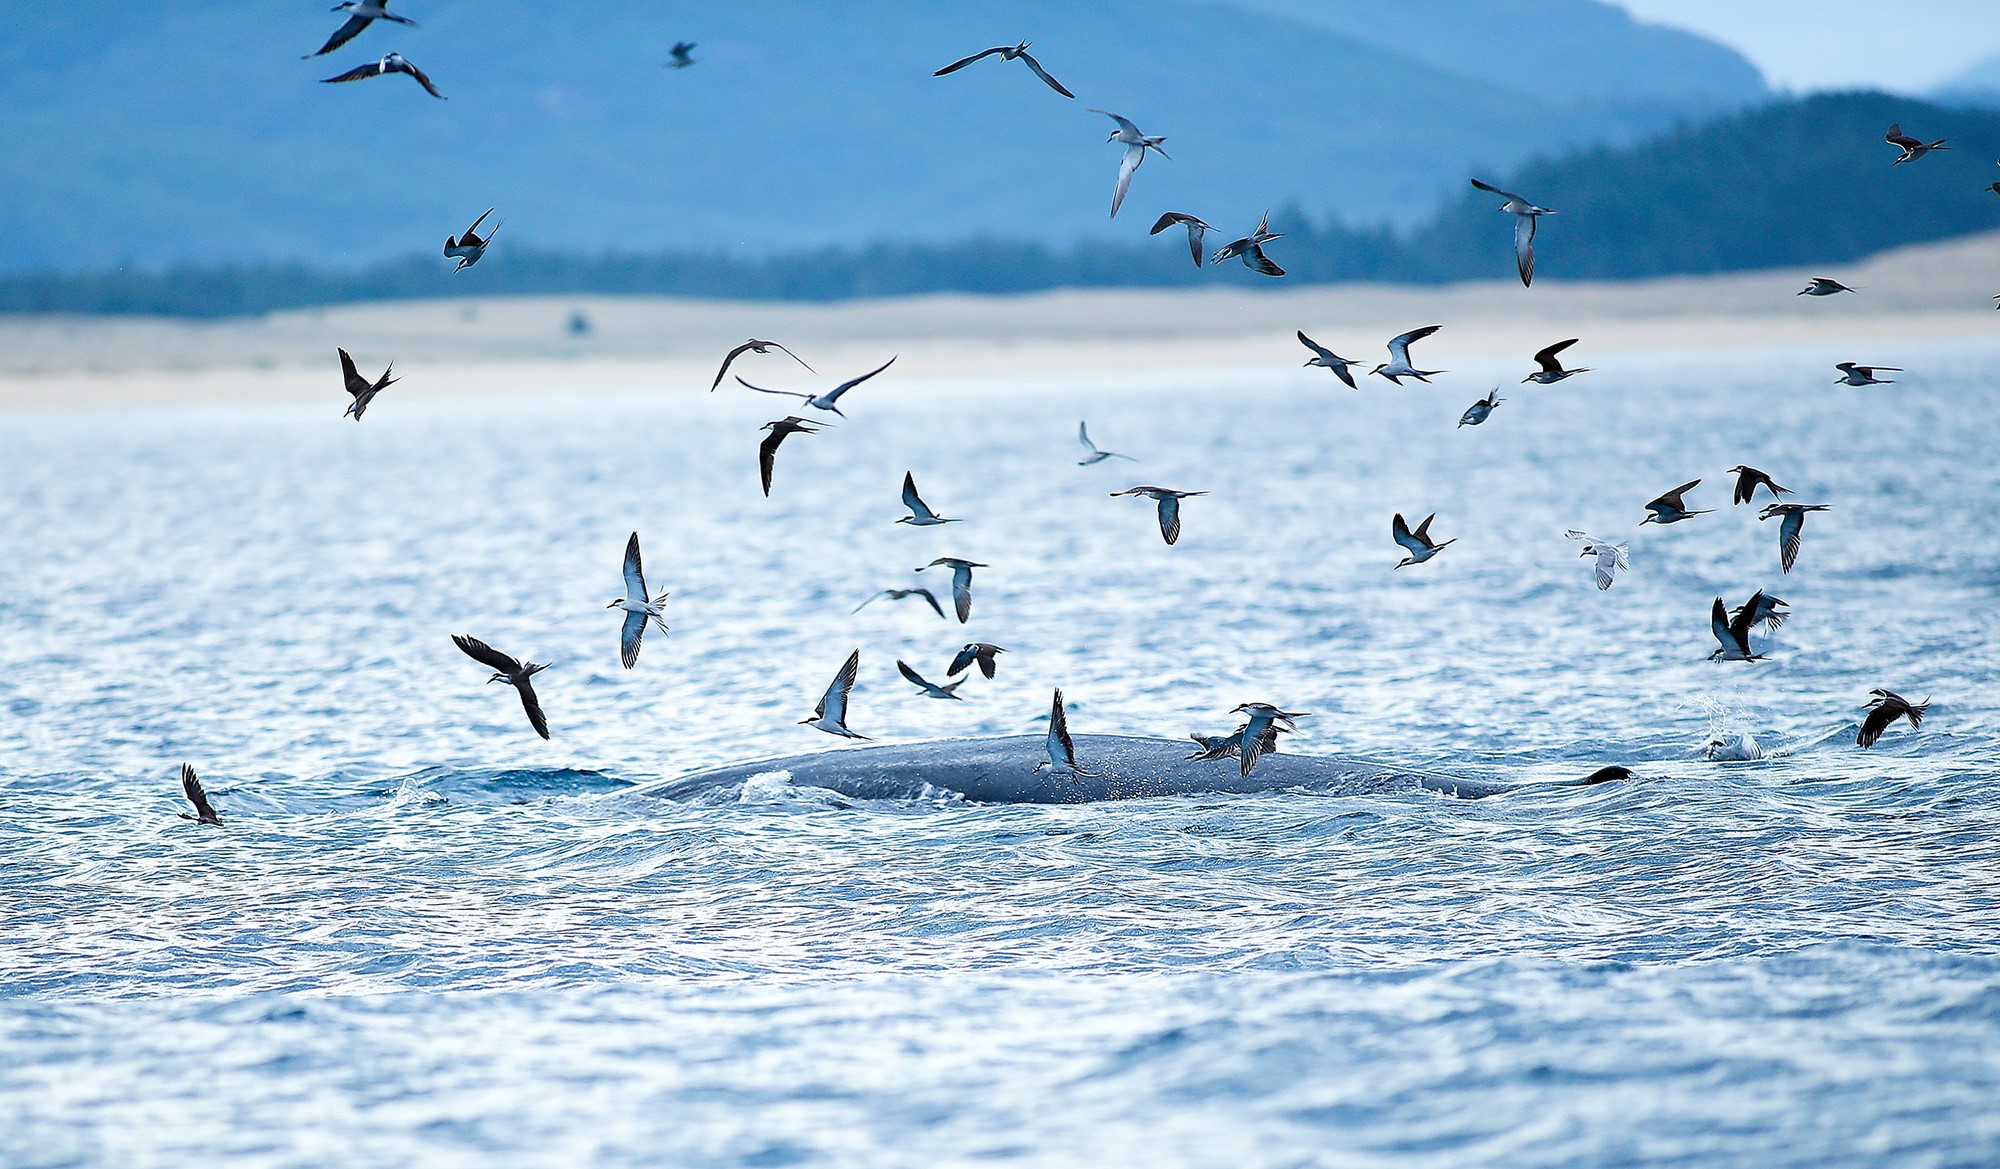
(1261, 723)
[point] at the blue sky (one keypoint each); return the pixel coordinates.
(1907, 46)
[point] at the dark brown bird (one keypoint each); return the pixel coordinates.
(1008, 53)
(767, 451)
(975, 651)
(191, 787)
(1912, 148)
(393, 63)
(363, 390)
(506, 669)
(1749, 479)
(1885, 708)
(1196, 229)
(753, 345)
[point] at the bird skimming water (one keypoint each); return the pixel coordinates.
(191, 788)
(1062, 750)
(831, 713)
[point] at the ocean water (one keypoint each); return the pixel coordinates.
(426, 937)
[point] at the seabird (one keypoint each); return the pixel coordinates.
(1734, 632)
(1479, 411)
(1399, 366)
(1418, 543)
(1884, 709)
(1525, 216)
(1668, 508)
(1864, 375)
(1912, 148)
(1170, 506)
(831, 713)
(1256, 737)
(1092, 455)
(393, 63)
(639, 606)
(506, 669)
(1008, 53)
(929, 689)
(1230, 746)
(1611, 558)
(1062, 751)
(1748, 480)
(767, 451)
(1768, 611)
(468, 248)
(975, 652)
(1794, 522)
(1740, 748)
(683, 54)
(1195, 229)
(1552, 370)
(363, 390)
(1327, 359)
(921, 515)
(753, 345)
(1136, 146)
(1821, 286)
(899, 594)
(360, 14)
(1250, 249)
(961, 582)
(191, 788)
(829, 400)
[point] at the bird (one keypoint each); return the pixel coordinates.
(1327, 359)
(1734, 632)
(1794, 521)
(1008, 53)
(831, 713)
(829, 400)
(1091, 454)
(1230, 746)
(1607, 775)
(1993, 187)
(191, 788)
(1526, 215)
(975, 652)
(1739, 748)
(1668, 508)
(1479, 411)
(360, 14)
(1767, 611)
(1911, 147)
(753, 345)
(921, 515)
(1062, 750)
(1256, 738)
(1864, 375)
(683, 54)
(1170, 506)
(639, 607)
(1136, 146)
(506, 669)
(1195, 230)
(363, 390)
(1250, 249)
(1418, 543)
(930, 689)
(1399, 366)
(1748, 480)
(1552, 370)
(1884, 709)
(767, 451)
(1821, 286)
(468, 248)
(899, 594)
(393, 63)
(961, 583)
(1611, 558)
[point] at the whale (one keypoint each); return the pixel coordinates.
(1001, 770)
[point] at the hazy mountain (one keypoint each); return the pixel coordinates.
(1979, 84)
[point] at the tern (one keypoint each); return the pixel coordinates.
(1418, 543)
(393, 63)
(899, 594)
(1552, 370)
(1062, 751)
(1399, 366)
(753, 345)
(1195, 229)
(515, 674)
(1794, 522)
(360, 14)
(1611, 558)
(829, 400)
(1170, 506)
(1256, 737)
(1911, 147)
(921, 515)
(1769, 612)
(1864, 375)
(961, 582)
(1884, 709)
(1740, 748)
(1668, 508)
(639, 606)
(1525, 215)
(363, 390)
(1821, 286)
(1748, 480)
(1008, 53)
(975, 652)
(191, 788)
(1091, 454)
(1230, 746)
(1327, 359)
(1479, 411)
(831, 713)
(683, 54)
(1734, 632)
(767, 451)
(1136, 146)
(930, 689)
(468, 248)
(1250, 249)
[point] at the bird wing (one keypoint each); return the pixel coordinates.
(371, 69)
(1325, 354)
(1124, 123)
(345, 33)
(485, 654)
(1255, 259)
(356, 384)
(1083, 436)
(1524, 247)
(790, 354)
(1897, 137)
(635, 574)
(1170, 517)
(1399, 347)
(1490, 187)
(1547, 358)
(955, 66)
(1044, 75)
(1062, 749)
(732, 356)
(1718, 624)
(1744, 618)
(628, 637)
(833, 704)
(984, 655)
(533, 705)
(961, 593)
(913, 501)
(903, 668)
(1672, 499)
(191, 788)
(1746, 485)
(927, 595)
(1134, 155)
(853, 382)
(1254, 745)
(470, 236)
(1878, 720)
(1607, 561)
(1170, 218)
(424, 80)
(1401, 531)
(762, 390)
(1423, 531)
(1788, 538)
(962, 659)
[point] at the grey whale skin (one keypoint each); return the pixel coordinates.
(1001, 771)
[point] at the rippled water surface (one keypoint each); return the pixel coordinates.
(428, 937)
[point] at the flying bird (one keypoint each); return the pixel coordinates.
(1256, 738)
(1008, 53)
(1668, 508)
(1136, 146)
(1230, 746)
(1884, 709)
(899, 594)
(1525, 215)
(683, 54)
(360, 14)
(1821, 286)
(1327, 359)
(363, 390)
(1912, 148)
(506, 669)
(1062, 750)
(1552, 370)
(468, 248)
(191, 788)
(1611, 558)
(767, 451)
(1418, 543)
(1091, 454)
(1864, 375)
(753, 345)
(1170, 506)
(831, 713)
(393, 63)
(961, 583)
(921, 515)
(926, 688)
(639, 607)
(1767, 611)
(1793, 523)
(975, 652)
(1195, 230)
(1399, 366)
(1748, 480)
(1733, 632)
(1481, 410)
(1250, 249)
(829, 400)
